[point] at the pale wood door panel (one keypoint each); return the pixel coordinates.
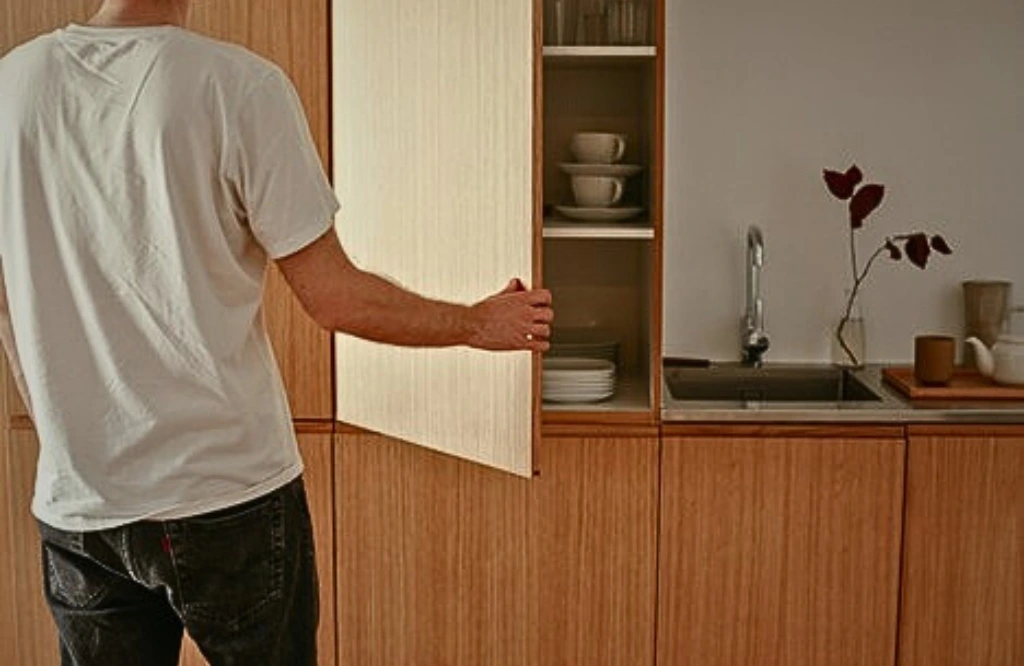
(433, 156)
(593, 527)
(431, 558)
(779, 551)
(963, 562)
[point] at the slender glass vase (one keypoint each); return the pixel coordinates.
(849, 339)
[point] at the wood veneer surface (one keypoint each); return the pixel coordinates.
(593, 551)
(433, 135)
(963, 561)
(431, 558)
(779, 552)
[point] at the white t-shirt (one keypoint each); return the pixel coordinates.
(146, 176)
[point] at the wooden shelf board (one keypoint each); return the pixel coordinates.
(600, 52)
(598, 230)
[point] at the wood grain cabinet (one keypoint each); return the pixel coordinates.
(593, 548)
(963, 557)
(779, 546)
(452, 133)
(431, 557)
(442, 561)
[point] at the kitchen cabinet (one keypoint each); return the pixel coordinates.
(433, 155)
(779, 545)
(431, 557)
(446, 561)
(450, 123)
(963, 554)
(593, 546)
(606, 276)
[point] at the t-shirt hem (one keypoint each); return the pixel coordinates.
(176, 512)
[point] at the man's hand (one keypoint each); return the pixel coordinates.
(512, 319)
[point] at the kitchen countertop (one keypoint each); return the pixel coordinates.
(894, 407)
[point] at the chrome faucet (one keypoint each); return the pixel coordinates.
(754, 339)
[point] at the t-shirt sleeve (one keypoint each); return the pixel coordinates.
(276, 171)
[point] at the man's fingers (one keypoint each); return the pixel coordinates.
(540, 331)
(538, 297)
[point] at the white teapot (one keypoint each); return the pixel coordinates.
(1004, 363)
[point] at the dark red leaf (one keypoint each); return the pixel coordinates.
(894, 252)
(864, 202)
(854, 176)
(917, 249)
(840, 184)
(939, 245)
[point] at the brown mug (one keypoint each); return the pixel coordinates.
(933, 359)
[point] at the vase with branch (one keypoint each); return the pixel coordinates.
(862, 199)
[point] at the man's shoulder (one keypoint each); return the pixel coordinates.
(230, 59)
(28, 49)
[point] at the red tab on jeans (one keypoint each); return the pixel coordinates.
(165, 543)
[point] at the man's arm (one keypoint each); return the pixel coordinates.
(342, 297)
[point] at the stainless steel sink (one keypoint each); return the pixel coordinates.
(769, 383)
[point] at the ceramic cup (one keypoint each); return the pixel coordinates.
(597, 191)
(933, 359)
(986, 308)
(598, 147)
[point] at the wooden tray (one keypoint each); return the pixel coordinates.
(965, 385)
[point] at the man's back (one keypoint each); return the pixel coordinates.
(138, 207)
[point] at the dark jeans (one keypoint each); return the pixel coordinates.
(241, 581)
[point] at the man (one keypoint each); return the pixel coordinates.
(147, 175)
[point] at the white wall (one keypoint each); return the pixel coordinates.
(926, 96)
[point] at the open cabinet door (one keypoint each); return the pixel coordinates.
(433, 165)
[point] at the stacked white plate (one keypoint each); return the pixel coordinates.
(584, 343)
(570, 379)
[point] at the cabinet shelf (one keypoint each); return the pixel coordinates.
(598, 230)
(589, 54)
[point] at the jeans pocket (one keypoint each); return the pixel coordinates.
(67, 569)
(230, 563)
